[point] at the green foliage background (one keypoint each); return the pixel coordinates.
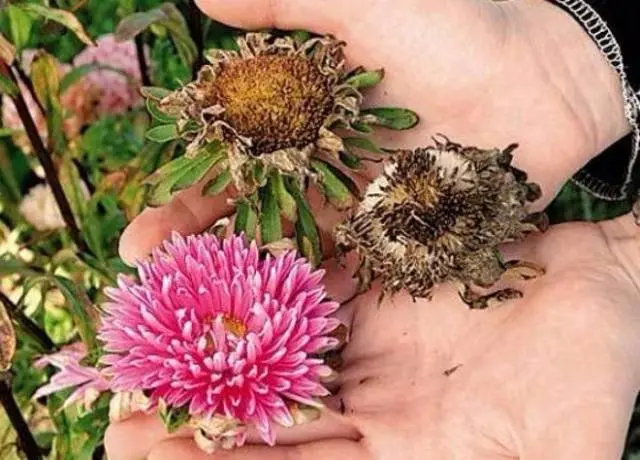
(113, 151)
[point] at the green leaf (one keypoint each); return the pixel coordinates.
(63, 17)
(334, 189)
(20, 24)
(182, 173)
(366, 79)
(7, 339)
(155, 92)
(157, 114)
(286, 203)
(7, 132)
(246, 218)
(7, 51)
(270, 223)
(167, 16)
(46, 82)
(218, 184)
(361, 128)
(307, 234)
(350, 160)
(81, 71)
(172, 417)
(361, 143)
(163, 133)
(8, 87)
(393, 118)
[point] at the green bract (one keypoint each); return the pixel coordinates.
(274, 106)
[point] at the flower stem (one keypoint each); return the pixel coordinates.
(194, 20)
(31, 328)
(142, 61)
(45, 160)
(27, 82)
(27, 441)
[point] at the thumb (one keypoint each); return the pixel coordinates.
(322, 450)
(324, 16)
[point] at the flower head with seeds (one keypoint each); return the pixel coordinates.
(269, 112)
(214, 328)
(438, 214)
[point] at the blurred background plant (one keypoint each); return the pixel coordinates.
(73, 157)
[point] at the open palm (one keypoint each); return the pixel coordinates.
(551, 375)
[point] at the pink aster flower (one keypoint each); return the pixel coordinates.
(214, 327)
(87, 381)
(117, 92)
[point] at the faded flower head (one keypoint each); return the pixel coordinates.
(76, 101)
(438, 214)
(40, 209)
(117, 93)
(213, 328)
(88, 382)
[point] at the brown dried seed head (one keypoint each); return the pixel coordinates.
(278, 101)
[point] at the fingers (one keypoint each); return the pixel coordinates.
(322, 450)
(136, 437)
(133, 439)
(189, 212)
(314, 15)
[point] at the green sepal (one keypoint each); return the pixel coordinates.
(172, 417)
(361, 128)
(246, 218)
(362, 143)
(163, 133)
(218, 184)
(366, 79)
(333, 187)
(307, 234)
(270, 222)
(350, 160)
(286, 203)
(155, 92)
(182, 173)
(393, 118)
(154, 110)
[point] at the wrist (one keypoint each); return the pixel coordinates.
(591, 87)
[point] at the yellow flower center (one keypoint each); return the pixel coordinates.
(278, 101)
(234, 326)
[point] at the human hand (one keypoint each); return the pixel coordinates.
(551, 375)
(481, 72)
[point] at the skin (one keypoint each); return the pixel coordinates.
(551, 375)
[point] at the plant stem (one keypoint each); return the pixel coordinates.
(27, 441)
(31, 328)
(45, 160)
(27, 82)
(194, 20)
(142, 61)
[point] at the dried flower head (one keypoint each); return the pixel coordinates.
(214, 329)
(270, 111)
(438, 214)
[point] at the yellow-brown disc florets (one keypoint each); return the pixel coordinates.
(279, 102)
(273, 104)
(439, 214)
